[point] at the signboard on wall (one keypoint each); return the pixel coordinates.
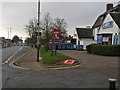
(99, 39)
(105, 39)
(107, 25)
(56, 36)
(115, 39)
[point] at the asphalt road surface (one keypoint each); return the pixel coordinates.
(80, 77)
(8, 52)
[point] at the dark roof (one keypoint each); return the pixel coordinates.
(116, 8)
(101, 18)
(116, 18)
(84, 32)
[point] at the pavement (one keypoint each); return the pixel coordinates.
(28, 60)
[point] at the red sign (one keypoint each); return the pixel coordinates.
(69, 61)
(56, 36)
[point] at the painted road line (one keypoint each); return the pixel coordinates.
(12, 56)
(13, 61)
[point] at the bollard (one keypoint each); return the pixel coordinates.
(112, 84)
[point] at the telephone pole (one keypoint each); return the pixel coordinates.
(38, 37)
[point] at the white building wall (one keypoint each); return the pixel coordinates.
(119, 35)
(111, 30)
(86, 42)
(95, 32)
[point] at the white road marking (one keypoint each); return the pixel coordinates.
(12, 56)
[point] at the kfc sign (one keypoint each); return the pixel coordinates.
(56, 36)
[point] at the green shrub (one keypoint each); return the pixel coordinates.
(89, 48)
(105, 50)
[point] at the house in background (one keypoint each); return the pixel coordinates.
(85, 36)
(106, 29)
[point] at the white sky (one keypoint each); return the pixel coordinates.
(15, 15)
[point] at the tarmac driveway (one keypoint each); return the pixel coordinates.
(105, 65)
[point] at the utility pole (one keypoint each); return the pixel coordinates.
(38, 42)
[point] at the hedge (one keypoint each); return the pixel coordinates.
(105, 50)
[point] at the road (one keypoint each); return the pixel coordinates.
(80, 77)
(8, 52)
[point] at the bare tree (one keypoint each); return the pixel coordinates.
(47, 27)
(62, 26)
(47, 24)
(31, 28)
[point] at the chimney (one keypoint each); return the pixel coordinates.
(109, 7)
(119, 3)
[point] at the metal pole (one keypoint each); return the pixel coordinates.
(10, 33)
(38, 43)
(112, 84)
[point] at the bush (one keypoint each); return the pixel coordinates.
(105, 50)
(89, 48)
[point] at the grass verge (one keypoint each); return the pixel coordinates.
(49, 59)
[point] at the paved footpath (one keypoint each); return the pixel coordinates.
(29, 60)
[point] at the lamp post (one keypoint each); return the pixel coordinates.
(10, 33)
(38, 36)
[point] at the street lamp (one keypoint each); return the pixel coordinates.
(9, 33)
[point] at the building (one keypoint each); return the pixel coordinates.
(0, 42)
(106, 29)
(85, 36)
(5, 42)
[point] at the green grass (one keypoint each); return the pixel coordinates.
(49, 59)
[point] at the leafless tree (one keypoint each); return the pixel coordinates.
(62, 26)
(47, 28)
(31, 28)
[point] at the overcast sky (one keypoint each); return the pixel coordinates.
(16, 15)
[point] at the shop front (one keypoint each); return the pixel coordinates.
(104, 39)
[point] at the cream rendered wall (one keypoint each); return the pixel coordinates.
(111, 30)
(86, 42)
(119, 35)
(95, 32)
